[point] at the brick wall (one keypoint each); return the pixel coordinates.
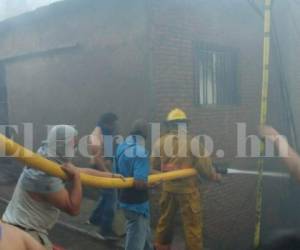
(136, 58)
(105, 72)
(175, 27)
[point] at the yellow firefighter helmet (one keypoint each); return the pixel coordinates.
(176, 115)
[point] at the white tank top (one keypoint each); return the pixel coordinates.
(22, 210)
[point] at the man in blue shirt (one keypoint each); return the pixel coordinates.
(132, 160)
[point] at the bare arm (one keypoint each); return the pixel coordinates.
(289, 155)
(99, 162)
(67, 200)
(94, 172)
(96, 149)
(292, 161)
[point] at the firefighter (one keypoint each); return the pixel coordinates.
(174, 151)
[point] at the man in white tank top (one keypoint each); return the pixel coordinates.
(38, 197)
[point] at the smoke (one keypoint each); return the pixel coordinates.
(11, 8)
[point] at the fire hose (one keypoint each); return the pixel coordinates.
(31, 159)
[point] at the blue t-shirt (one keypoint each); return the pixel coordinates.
(133, 161)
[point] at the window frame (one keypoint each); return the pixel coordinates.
(231, 54)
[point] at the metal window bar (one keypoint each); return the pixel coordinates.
(215, 76)
(208, 80)
(214, 79)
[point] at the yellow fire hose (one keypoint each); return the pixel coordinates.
(30, 159)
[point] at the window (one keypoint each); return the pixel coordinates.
(215, 75)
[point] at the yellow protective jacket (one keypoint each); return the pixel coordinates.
(176, 151)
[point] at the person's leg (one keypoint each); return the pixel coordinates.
(96, 215)
(191, 216)
(164, 229)
(148, 243)
(135, 231)
(107, 216)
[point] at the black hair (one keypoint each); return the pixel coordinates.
(139, 128)
(108, 118)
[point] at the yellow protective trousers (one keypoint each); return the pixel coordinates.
(188, 205)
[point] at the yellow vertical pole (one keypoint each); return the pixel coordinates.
(263, 116)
